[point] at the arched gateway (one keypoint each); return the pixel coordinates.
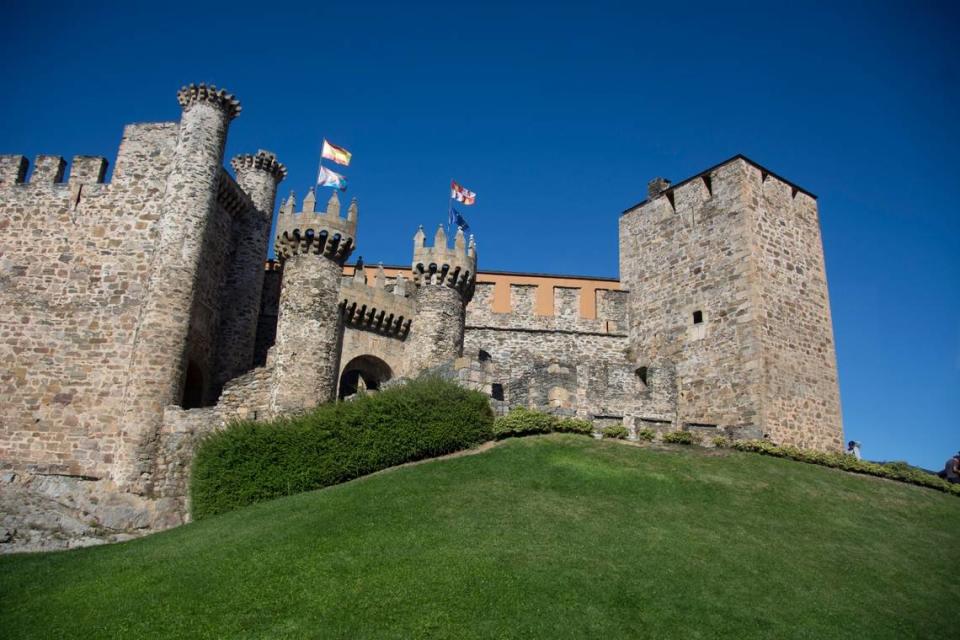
(366, 372)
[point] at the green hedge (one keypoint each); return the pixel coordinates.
(252, 461)
(616, 432)
(681, 437)
(894, 471)
(525, 422)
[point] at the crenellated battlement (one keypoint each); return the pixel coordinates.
(441, 265)
(193, 94)
(48, 169)
(379, 307)
(312, 232)
(260, 161)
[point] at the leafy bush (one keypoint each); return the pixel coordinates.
(252, 461)
(573, 425)
(681, 437)
(894, 471)
(721, 442)
(617, 432)
(524, 422)
(521, 422)
(646, 435)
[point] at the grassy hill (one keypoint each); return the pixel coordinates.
(548, 537)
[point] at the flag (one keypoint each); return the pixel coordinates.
(457, 220)
(460, 194)
(327, 178)
(335, 153)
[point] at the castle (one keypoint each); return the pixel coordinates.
(138, 315)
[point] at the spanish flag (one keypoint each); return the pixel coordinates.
(335, 153)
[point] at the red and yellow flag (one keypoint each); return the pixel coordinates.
(335, 153)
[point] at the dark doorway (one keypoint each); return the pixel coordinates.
(363, 372)
(193, 387)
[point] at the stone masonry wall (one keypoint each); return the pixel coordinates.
(75, 262)
(801, 400)
(687, 251)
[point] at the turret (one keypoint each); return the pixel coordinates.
(164, 343)
(313, 247)
(258, 176)
(445, 279)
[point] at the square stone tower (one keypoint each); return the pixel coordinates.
(726, 279)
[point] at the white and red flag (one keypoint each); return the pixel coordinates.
(460, 194)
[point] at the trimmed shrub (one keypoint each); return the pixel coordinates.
(573, 425)
(646, 435)
(900, 471)
(253, 461)
(617, 432)
(524, 422)
(681, 437)
(721, 442)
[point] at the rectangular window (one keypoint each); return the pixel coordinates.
(698, 317)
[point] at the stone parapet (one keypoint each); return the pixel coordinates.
(377, 308)
(193, 94)
(454, 267)
(265, 161)
(312, 232)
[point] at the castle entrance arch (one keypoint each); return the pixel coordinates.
(363, 372)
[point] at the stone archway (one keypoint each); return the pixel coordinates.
(363, 372)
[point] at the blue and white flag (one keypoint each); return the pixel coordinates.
(327, 178)
(457, 220)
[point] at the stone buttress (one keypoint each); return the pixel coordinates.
(312, 247)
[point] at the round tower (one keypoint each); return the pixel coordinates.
(159, 363)
(258, 175)
(445, 279)
(312, 247)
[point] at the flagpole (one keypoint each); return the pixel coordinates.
(320, 165)
(449, 204)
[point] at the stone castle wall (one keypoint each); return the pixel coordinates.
(74, 271)
(685, 252)
(801, 395)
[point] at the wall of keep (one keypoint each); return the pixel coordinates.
(74, 265)
(688, 250)
(801, 401)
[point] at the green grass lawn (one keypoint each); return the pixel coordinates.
(547, 537)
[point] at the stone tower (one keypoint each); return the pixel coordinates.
(312, 247)
(445, 279)
(726, 280)
(160, 354)
(258, 175)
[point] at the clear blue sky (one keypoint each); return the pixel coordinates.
(557, 115)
